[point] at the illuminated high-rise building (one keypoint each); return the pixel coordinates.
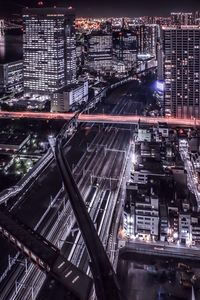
(197, 18)
(49, 49)
(125, 47)
(182, 18)
(100, 51)
(147, 36)
(182, 71)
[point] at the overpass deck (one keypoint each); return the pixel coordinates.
(158, 250)
(101, 118)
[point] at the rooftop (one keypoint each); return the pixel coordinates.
(69, 88)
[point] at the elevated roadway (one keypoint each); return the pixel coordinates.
(101, 118)
(160, 250)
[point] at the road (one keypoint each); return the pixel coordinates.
(160, 249)
(102, 118)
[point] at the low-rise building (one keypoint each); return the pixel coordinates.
(139, 177)
(173, 220)
(185, 228)
(179, 174)
(70, 96)
(150, 150)
(195, 222)
(11, 77)
(144, 133)
(163, 129)
(147, 217)
(164, 226)
(185, 205)
(128, 223)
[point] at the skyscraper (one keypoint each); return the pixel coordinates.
(100, 50)
(182, 71)
(70, 48)
(197, 18)
(181, 18)
(49, 49)
(125, 47)
(147, 36)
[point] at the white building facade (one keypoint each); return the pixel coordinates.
(49, 49)
(69, 97)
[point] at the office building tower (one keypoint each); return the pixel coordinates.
(125, 47)
(197, 18)
(182, 71)
(146, 39)
(100, 50)
(49, 49)
(181, 18)
(117, 23)
(79, 56)
(160, 58)
(70, 48)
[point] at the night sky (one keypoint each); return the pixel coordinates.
(100, 8)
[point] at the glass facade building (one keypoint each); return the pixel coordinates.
(49, 48)
(125, 47)
(147, 36)
(182, 71)
(100, 52)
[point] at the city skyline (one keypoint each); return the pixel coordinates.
(99, 150)
(104, 8)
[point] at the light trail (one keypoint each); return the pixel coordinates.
(100, 118)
